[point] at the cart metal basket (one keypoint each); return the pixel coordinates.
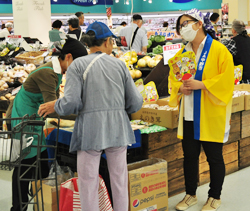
(16, 144)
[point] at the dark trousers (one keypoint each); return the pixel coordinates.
(25, 184)
(213, 151)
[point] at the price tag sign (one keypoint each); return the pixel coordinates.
(14, 39)
(14, 36)
(169, 51)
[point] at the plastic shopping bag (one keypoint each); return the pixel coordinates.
(12, 152)
(70, 198)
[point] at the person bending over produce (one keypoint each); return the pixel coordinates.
(100, 90)
(42, 85)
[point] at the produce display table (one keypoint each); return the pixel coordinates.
(65, 138)
(167, 146)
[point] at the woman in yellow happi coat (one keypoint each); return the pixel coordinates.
(205, 106)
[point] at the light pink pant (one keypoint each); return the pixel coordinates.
(88, 176)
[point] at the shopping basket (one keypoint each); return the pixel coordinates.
(15, 144)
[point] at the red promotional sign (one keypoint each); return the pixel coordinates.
(108, 11)
(14, 36)
(172, 47)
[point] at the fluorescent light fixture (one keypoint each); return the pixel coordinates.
(116, 1)
(55, 0)
(6, 18)
(171, 0)
(149, 1)
(94, 1)
(144, 0)
(127, 2)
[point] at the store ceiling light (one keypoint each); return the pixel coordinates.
(116, 1)
(127, 2)
(94, 1)
(171, 0)
(149, 1)
(55, 0)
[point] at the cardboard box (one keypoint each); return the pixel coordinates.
(148, 185)
(244, 87)
(163, 118)
(238, 104)
(49, 196)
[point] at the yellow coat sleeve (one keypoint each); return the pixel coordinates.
(219, 91)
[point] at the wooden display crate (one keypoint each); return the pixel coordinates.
(230, 154)
(156, 141)
(167, 146)
(234, 134)
(245, 124)
(244, 153)
(176, 182)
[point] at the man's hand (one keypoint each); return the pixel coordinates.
(144, 49)
(193, 84)
(184, 90)
(46, 108)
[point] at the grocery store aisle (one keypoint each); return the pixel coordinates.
(5, 191)
(235, 194)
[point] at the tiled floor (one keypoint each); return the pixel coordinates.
(235, 194)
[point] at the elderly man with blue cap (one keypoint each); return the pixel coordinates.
(100, 90)
(205, 106)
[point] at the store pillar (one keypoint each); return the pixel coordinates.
(32, 18)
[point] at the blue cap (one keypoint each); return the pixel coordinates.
(100, 29)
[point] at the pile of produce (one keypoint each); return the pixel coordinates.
(7, 97)
(5, 49)
(158, 49)
(157, 38)
(130, 58)
(18, 73)
(147, 61)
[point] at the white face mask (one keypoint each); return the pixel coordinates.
(188, 33)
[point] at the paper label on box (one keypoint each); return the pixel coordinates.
(135, 177)
(151, 208)
(136, 189)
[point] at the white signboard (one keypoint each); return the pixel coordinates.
(169, 51)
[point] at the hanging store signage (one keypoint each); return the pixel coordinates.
(90, 2)
(78, 2)
(108, 11)
(181, 1)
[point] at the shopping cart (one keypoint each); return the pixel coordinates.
(16, 144)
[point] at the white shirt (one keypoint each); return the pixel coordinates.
(4, 33)
(141, 39)
(189, 99)
(118, 29)
(165, 29)
(56, 65)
